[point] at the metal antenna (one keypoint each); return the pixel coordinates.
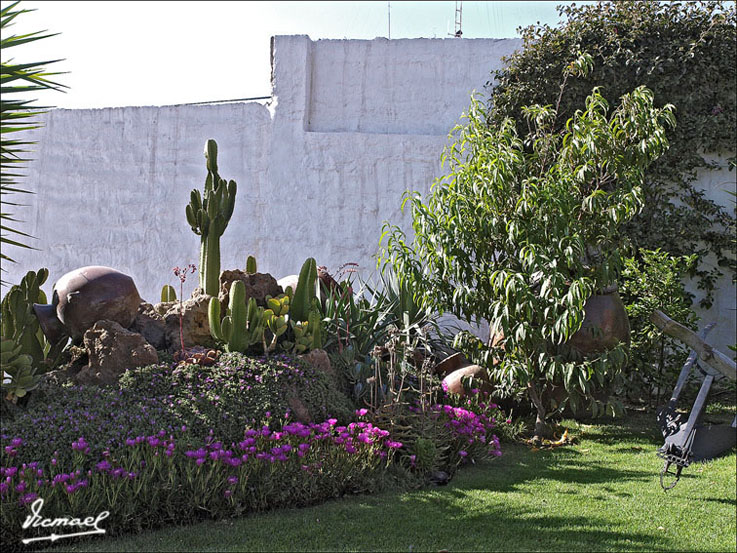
(458, 20)
(389, 15)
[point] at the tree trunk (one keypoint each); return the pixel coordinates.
(542, 430)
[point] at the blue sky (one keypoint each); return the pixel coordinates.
(160, 53)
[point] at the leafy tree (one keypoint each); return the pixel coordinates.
(525, 228)
(686, 53)
(16, 116)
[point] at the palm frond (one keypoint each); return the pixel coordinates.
(18, 115)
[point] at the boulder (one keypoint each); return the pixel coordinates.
(112, 350)
(258, 286)
(289, 281)
(319, 359)
(297, 407)
(149, 323)
(163, 307)
(195, 324)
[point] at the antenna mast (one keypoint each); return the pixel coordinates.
(459, 19)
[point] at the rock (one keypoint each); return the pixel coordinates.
(439, 477)
(195, 325)
(163, 307)
(258, 286)
(452, 382)
(112, 350)
(319, 359)
(289, 281)
(150, 324)
(297, 406)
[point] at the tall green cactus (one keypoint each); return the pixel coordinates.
(243, 324)
(301, 304)
(208, 216)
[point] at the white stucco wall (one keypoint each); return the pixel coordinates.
(351, 125)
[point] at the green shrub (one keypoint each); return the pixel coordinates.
(654, 280)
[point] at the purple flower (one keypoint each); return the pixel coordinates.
(103, 466)
(16, 442)
(361, 412)
(462, 453)
(28, 498)
(393, 445)
(232, 480)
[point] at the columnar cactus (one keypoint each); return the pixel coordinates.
(243, 325)
(168, 293)
(208, 216)
(305, 292)
(251, 265)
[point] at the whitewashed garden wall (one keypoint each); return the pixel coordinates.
(350, 126)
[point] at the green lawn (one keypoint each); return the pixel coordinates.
(601, 494)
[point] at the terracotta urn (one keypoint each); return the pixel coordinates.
(87, 295)
(605, 324)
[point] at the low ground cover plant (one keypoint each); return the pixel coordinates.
(173, 443)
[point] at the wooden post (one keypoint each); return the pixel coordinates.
(706, 353)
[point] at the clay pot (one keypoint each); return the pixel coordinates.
(87, 295)
(605, 324)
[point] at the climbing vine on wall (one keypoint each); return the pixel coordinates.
(686, 53)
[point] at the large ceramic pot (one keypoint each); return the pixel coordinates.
(87, 295)
(605, 324)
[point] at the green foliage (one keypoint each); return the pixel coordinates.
(275, 319)
(251, 265)
(377, 315)
(20, 324)
(168, 293)
(653, 280)
(686, 53)
(209, 218)
(242, 326)
(16, 116)
(16, 368)
(523, 230)
(306, 291)
(307, 334)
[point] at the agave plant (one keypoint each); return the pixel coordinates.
(17, 115)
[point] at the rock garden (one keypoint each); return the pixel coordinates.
(256, 391)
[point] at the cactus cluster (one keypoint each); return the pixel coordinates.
(208, 215)
(307, 334)
(243, 324)
(19, 323)
(18, 374)
(246, 324)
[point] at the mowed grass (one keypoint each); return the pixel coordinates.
(601, 494)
